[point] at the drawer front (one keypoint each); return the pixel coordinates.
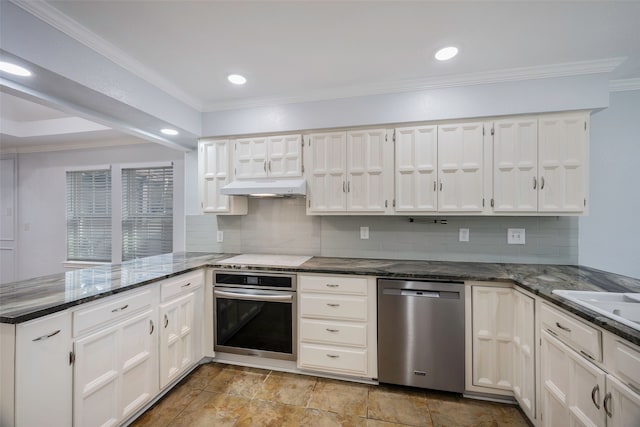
(573, 332)
(327, 358)
(626, 365)
(341, 333)
(333, 284)
(333, 307)
(180, 284)
(112, 309)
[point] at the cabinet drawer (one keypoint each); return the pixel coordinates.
(113, 308)
(179, 284)
(333, 307)
(333, 284)
(341, 333)
(342, 360)
(573, 332)
(626, 365)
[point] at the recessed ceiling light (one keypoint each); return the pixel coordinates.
(446, 53)
(168, 131)
(237, 79)
(14, 69)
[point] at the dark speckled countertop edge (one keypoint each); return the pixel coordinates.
(539, 280)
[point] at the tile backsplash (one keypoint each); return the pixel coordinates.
(281, 226)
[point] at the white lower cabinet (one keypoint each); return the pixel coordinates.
(578, 389)
(502, 342)
(181, 325)
(116, 364)
(337, 325)
(36, 372)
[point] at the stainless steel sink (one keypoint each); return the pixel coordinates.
(621, 307)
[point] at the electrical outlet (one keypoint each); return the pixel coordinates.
(464, 235)
(220, 236)
(515, 236)
(364, 233)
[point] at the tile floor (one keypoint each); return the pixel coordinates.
(224, 395)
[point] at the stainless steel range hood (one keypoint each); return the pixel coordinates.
(266, 188)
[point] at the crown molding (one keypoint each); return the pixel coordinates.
(58, 20)
(624, 85)
(487, 77)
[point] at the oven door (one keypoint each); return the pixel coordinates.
(255, 322)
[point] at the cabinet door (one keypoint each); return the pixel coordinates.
(367, 170)
(326, 172)
(460, 171)
(622, 404)
(285, 156)
(250, 158)
(523, 379)
(515, 165)
(213, 174)
(562, 154)
(416, 150)
(492, 309)
(43, 387)
(115, 372)
(176, 338)
(572, 387)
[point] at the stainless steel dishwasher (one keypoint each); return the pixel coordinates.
(421, 334)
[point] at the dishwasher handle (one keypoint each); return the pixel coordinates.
(415, 293)
(421, 293)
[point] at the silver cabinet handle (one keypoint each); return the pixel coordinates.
(434, 185)
(348, 186)
(187, 285)
(344, 187)
(564, 328)
(166, 321)
(254, 297)
(332, 285)
(265, 166)
(440, 185)
(595, 390)
(542, 182)
(269, 165)
(333, 330)
(607, 399)
(333, 356)
(333, 305)
(44, 337)
(124, 307)
(151, 327)
(535, 182)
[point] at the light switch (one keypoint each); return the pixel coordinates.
(364, 233)
(464, 235)
(515, 236)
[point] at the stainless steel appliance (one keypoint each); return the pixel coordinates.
(421, 334)
(255, 313)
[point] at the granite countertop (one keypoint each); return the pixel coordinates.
(29, 299)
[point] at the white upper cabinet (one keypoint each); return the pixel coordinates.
(326, 172)
(416, 173)
(368, 176)
(540, 163)
(273, 156)
(515, 165)
(349, 172)
(460, 167)
(562, 162)
(213, 174)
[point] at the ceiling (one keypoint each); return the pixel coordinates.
(297, 51)
(305, 50)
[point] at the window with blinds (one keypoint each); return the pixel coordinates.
(147, 212)
(89, 215)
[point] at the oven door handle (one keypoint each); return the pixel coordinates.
(253, 297)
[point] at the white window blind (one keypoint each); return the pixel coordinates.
(147, 212)
(89, 215)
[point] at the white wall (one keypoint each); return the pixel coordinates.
(42, 205)
(610, 236)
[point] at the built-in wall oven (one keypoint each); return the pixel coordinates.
(255, 313)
